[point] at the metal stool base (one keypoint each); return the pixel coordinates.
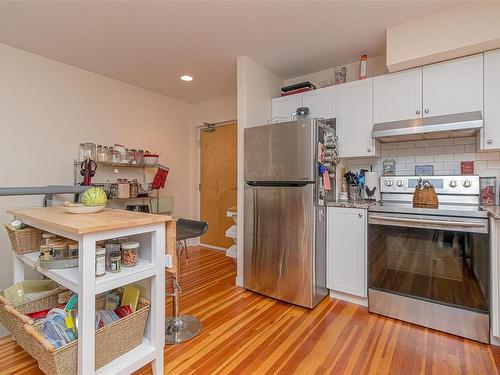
(181, 329)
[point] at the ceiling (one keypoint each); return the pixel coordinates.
(151, 44)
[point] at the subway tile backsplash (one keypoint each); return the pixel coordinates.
(444, 154)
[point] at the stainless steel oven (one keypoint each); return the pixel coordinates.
(431, 266)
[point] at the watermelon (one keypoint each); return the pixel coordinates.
(94, 197)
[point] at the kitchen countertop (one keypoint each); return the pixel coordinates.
(108, 219)
(493, 211)
(363, 204)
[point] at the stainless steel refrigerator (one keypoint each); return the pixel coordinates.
(284, 211)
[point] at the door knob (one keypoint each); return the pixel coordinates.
(489, 141)
(417, 111)
(426, 110)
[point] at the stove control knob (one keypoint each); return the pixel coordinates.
(400, 183)
(453, 183)
(467, 183)
(388, 183)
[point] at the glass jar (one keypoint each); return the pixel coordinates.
(89, 151)
(73, 250)
(130, 253)
(110, 248)
(123, 189)
(114, 156)
(100, 261)
(102, 154)
(140, 157)
(116, 261)
(81, 154)
(134, 189)
(488, 187)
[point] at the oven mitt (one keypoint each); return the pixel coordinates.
(160, 177)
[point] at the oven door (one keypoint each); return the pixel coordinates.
(433, 258)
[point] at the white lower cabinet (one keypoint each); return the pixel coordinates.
(346, 243)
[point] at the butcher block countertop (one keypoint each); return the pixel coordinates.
(108, 219)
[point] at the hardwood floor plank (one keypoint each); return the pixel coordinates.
(246, 333)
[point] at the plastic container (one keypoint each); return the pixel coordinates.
(130, 253)
(28, 290)
(488, 188)
(116, 261)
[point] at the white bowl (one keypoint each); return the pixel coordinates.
(84, 209)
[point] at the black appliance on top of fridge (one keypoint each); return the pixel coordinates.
(289, 176)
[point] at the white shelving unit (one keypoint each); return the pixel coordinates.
(149, 275)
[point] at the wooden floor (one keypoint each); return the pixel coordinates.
(245, 333)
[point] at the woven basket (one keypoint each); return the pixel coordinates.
(11, 316)
(425, 198)
(26, 240)
(111, 342)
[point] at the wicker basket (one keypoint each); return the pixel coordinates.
(111, 342)
(426, 197)
(26, 240)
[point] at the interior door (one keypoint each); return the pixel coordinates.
(453, 86)
(279, 242)
(218, 182)
(397, 96)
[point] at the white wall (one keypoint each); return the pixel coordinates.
(454, 32)
(256, 87)
(375, 67)
(47, 108)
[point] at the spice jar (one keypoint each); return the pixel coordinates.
(73, 250)
(110, 248)
(100, 261)
(116, 261)
(130, 253)
(114, 156)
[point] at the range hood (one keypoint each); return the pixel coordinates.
(456, 125)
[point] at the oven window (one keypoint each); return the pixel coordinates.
(440, 266)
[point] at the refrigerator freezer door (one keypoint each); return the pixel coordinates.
(280, 152)
(279, 244)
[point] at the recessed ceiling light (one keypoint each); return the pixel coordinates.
(186, 78)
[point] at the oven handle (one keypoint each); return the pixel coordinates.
(427, 221)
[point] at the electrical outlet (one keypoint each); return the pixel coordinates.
(168, 261)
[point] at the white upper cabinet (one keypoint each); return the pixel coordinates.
(286, 106)
(397, 96)
(491, 116)
(346, 250)
(355, 119)
(453, 86)
(322, 103)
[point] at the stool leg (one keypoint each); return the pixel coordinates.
(187, 254)
(180, 328)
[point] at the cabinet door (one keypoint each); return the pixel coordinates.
(397, 96)
(286, 106)
(453, 87)
(491, 118)
(355, 119)
(346, 250)
(322, 103)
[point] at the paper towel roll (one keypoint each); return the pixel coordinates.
(372, 181)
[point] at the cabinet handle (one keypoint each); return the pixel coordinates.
(426, 110)
(360, 215)
(417, 111)
(369, 149)
(489, 141)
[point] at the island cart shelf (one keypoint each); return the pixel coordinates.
(151, 231)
